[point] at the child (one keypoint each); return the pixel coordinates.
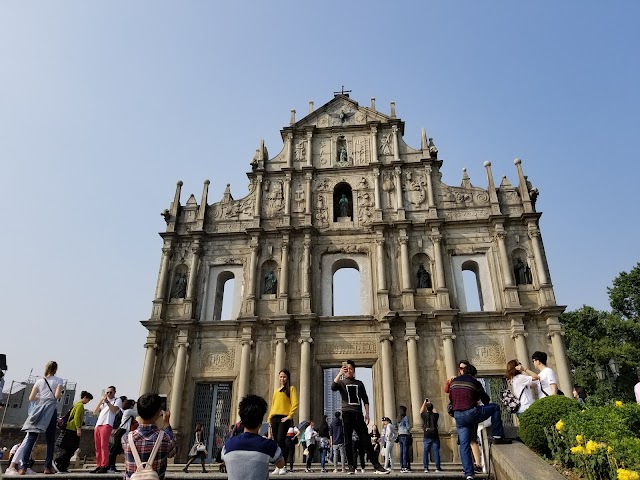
(248, 455)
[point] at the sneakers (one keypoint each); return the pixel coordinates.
(308, 470)
(55, 466)
(500, 441)
(335, 470)
(351, 470)
(11, 470)
(115, 470)
(380, 470)
(324, 470)
(362, 470)
(470, 477)
(438, 470)
(283, 471)
(426, 470)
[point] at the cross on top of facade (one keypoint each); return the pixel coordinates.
(342, 92)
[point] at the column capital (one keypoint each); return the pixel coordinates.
(397, 171)
(306, 243)
(196, 249)
(309, 134)
(427, 168)
(554, 331)
(374, 129)
(516, 333)
(308, 176)
(306, 339)
(500, 236)
(415, 338)
(151, 345)
(436, 238)
(289, 136)
(287, 176)
(403, 240)
(385, 338)
(448, 335)
(376, 172)
(379, 241)
(394, 129)
(284, 341)
(533, 231)
(184, 344)
(246, 342)
(166, 250)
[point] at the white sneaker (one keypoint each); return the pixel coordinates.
(30, 472)
(11, 470)
(362, 470)
(276, 471)
(283, 471)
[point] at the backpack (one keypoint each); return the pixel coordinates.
(428, 428)
(509, 400)
(117, 420)
(144, 470)
(63, 420)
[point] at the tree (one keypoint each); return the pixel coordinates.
(624, 296)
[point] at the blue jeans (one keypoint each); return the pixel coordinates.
(50, 436)
(404, 451)
(467, 421)
(323, 457)
(432, 444)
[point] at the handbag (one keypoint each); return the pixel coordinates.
(201, 447)
(450, 409)
(509, 400)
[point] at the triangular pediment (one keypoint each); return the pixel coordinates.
(342, 111)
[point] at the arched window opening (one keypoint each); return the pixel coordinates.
(224, 296)
(346, 289)
(342, 203)
(472, 287)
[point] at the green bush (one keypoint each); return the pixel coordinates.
(544, 413)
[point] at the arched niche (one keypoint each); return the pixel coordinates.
(269, 279)
(179, 281)
(478, 265)
(342, 203)
(521, 270)
(217, 294)
(422, 277)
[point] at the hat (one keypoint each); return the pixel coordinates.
(386, 419)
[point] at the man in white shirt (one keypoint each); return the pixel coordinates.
(106, 410)
(636, 390)
(548, 382)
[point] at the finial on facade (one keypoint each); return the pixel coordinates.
(493, 196)
(393, 110)
(227, 197)
(424, 142)
(517, 161)
(176, 199)
(466, 181)
(293, 117)
(203, 202)
(487, 163)
(311, 106)
(522, 187)
(373, 103)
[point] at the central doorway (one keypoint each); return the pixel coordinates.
(333, 402)
(212, 409)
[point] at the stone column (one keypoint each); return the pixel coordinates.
(253, 266)
(164, 268)
(449, 350)
(245, 364)
(374, 147)
(287, 194)
(307, 192)
(430, 197)
(258, 205)
(404, 259)
(178, 382)
(504, 258)
(304, 399)
(306, 264)
(414, 375)
(560, 356)
(382, 283)
(437, 252)
(149, 364)
(309, 135)
(376, 186)
(396, 150)
(280, 359)
(388, 394)
(283, 284)
(195, 260)
(289, 152)
(534, 234)
(398, 182)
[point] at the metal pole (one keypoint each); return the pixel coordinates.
(4, 412)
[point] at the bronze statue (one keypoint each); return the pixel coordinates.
(522, 272)
(179, 286)
(270, 283)
(343, 205)
(424, 278)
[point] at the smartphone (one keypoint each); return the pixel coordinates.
(163, 405)
(344, 364)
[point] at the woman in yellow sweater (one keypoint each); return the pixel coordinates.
(283, 407)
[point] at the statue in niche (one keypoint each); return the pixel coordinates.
(343, 206)
(522, 272)
(179, 289)
(270, 283)
(343, 160)
(424, 278)
(533, 192)
(433, 150)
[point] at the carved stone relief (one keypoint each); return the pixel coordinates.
(301, 151)
(365, 208)
(386, 144)
(322, 212)
(275, 198)
(218, 360)
(361, 155)
(415, 189)
(347, 348)
(486, 352)
(299, 198)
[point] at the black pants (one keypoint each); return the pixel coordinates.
(355, 421)
(312, 449)
(279, 431)
(68, 444)
(291, 450)
(115, 449)
(358, 454)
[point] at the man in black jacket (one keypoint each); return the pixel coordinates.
(336, 438)
(354, 395)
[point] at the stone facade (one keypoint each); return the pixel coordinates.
(409, 235)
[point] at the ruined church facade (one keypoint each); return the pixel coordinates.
(346, 191)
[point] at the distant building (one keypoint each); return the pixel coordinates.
(16, 399)
(332, 401)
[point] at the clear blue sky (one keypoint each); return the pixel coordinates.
(105, 105)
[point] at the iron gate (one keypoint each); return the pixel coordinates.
(493, 386)
(212, 409)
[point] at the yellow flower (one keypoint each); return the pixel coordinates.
(560, 425)
(577, 450)
(579, 439)
(619, 403)
(628, 474)
(591, 447)
(609, 449)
